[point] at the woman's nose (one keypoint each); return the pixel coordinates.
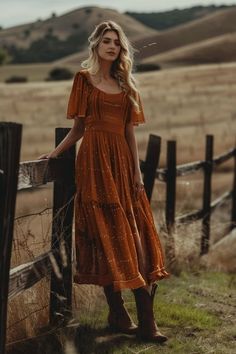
(112, 45)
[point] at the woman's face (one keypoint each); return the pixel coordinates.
(109, 47)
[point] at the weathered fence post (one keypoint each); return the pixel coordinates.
(10, 143)
(233, 215)
(170, 184)
(208, 167)
(63, 206)
(151, 163)
(170, 201)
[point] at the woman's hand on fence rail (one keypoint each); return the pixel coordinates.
(47, 156)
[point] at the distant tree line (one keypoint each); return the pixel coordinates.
(48, 48)
(167, 19)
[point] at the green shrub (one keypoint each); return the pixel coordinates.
(57, 74)
(147, 67)
(48, 48)
(16, 79)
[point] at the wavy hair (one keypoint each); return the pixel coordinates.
(122, 67)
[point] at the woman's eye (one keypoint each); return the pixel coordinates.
(116, 43)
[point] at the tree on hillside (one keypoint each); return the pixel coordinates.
(4, 57)
(26, 33)
(48, 48)
(88, 11)
(75, 25)
(50, 30)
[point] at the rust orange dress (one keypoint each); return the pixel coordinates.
(115, 236)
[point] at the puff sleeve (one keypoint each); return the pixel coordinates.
(77, 104)
(133, 116)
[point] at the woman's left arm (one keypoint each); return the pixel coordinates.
(131, 140)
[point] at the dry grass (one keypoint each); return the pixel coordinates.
(33, 72)
(28, 312)
(183, 104)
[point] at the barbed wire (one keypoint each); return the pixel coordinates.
(33, 214)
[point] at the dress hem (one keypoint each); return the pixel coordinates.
(134, 283)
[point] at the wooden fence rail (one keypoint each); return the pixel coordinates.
(33, 174)
(61, 171)
(172, 171)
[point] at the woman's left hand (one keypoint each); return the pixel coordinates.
(138, 183)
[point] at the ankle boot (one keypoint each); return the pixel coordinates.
(119, 319)
(147, 327)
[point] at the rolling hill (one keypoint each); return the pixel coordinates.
(215, 50)
(80, 20)
(214, 25)
(210, 30)
(172, 18)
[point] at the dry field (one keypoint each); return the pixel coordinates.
(183, 104)
(33, 72)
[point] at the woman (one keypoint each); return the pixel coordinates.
(117, 245)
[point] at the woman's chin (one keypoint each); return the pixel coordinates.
(110, 58)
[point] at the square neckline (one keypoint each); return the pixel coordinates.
(106, 93)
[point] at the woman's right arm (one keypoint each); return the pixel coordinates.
(74, 135)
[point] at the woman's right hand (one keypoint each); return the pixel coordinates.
(51, 155)
(43, 157)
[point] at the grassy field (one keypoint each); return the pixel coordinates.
(183, 104)
(33, 72)
(196, 310)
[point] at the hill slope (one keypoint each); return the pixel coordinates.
(215, 50)
(172, 18)
(211, 28)
(216, 24)
(82, 19)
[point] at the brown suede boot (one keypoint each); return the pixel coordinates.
(119, 319)
(147, 327)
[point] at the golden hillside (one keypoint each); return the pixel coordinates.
(83, 19)
(214, 25)
(215, 50)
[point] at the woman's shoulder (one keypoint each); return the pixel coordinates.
(81, 73)
(81, 76)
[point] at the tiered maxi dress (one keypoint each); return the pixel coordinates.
(116, 240)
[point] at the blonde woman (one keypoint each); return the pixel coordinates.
(117, 245)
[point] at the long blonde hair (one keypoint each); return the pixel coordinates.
(121, 68)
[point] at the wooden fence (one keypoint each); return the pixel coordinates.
(31, 175)
(172, 171)
(169, 176)
(61, 172)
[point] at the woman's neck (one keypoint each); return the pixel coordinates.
(105, 69)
